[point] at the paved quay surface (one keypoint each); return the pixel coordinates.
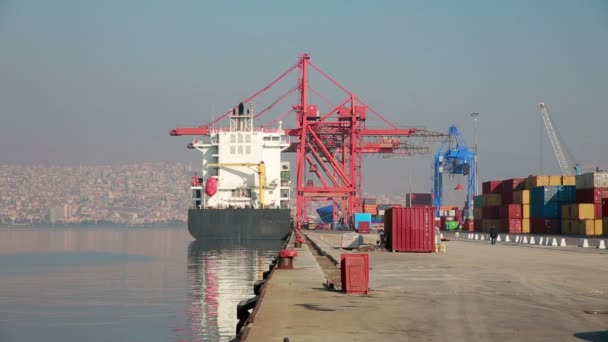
(473, 292)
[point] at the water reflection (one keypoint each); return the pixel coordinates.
(221, 273)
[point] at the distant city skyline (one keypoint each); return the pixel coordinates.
(103, 83)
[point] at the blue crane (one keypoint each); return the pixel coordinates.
(454, 157)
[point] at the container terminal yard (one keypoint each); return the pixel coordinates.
(422, 269)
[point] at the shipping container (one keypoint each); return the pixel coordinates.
(491, 213)
(369, 201)
(488, 224)
(605, 208)
(592, 180)
(478, 201)
(384, 206)
(511, 226)
(478, 213)
(568, 180)
(605, 226)
(566, 194)
(492, 187)
(525, 211)
(592, 195)
(521, 197)
(514, 184)
(545, 226)
(536, 181)
(410, 229)
(578, 211)
(507, 198)
(492, 200)
(477, 225)
(555, 180)
(598, 229)
(567, 227)
(525, 226)
(419, 199)
(544, 202)
(511, 211)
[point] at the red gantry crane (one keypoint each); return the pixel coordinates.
(331, 144)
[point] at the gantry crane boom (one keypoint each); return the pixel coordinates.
(555, 143)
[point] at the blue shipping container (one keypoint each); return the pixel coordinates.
(543, 194)
(567, 194)
(326, 213)
(362, 217)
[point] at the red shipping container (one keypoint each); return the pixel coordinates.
(355, 272)
(490, 213)
(492, 187)
(364, 227)
(410, 229)
(598, 210)
(605, 208)
(477, 225)
(507, 197)
(469, 226)
(545, 226)
(511, 226)
(510, 211)
(511, 185)
(593, 195)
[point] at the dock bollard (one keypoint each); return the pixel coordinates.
(286, 258)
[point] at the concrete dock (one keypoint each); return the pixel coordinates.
(473, 292)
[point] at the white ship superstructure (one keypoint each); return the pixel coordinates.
(246, 164)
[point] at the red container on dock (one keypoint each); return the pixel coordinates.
(511, 226)
(510, 211)
(490, 213)
(492, 187)
(605, 208)
(511, 185)
(364, 227)
(355, 272)
(410, 229)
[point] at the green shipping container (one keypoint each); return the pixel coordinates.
(478, 201)
(452, 225)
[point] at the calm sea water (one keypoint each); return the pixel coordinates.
(123, 284)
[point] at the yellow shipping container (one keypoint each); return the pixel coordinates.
(534, 181)
(521, 197)
(568, 180)
(492, 200)
(579, 211)
(555, 180)
(597, 229)
(525, 226)
(588, 227)
(525, 211)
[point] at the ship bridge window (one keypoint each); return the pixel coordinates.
(275, 138)
(232, 149)
(247, 138)
(240, 137)
(247, 149)
(240, 149)
(266, 138)
(232, 138)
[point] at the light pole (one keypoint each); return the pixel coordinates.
(475, 117)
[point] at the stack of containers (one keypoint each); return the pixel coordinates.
(591, 191)
(382, 208)
(450, 217)
(477, 213)
(490, 206)
(419, 199)
(511, 213)
(605, 215)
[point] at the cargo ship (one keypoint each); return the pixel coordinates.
(243, 192)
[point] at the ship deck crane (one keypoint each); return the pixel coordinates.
(565, 166)
(454, 157)
(261, 175)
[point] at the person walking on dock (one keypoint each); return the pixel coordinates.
(493, 235)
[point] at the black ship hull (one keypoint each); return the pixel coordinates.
(239, 224)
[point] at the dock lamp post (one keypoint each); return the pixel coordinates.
(475, 117)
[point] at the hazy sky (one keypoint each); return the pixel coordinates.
(104, 81)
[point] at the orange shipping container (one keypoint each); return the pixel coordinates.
(598, 228)
(568, 180)
(525, 211)
(555, 180)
